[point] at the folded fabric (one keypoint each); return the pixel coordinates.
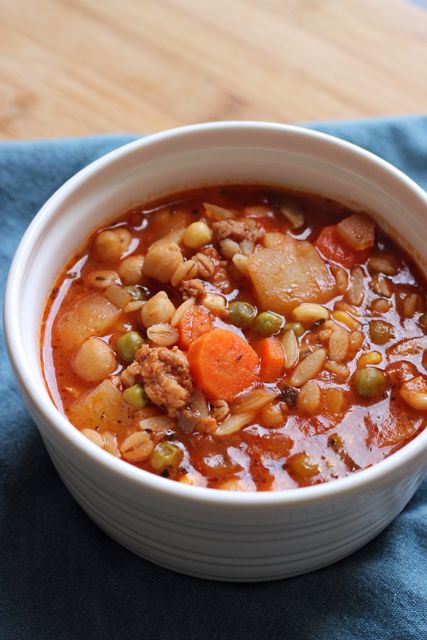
(62, 578)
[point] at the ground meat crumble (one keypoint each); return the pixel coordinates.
(166, 377)
(238, 230)
(192, 289)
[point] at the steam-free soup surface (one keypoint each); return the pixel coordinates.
(241, 338)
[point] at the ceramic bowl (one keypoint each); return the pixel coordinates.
(206, 532)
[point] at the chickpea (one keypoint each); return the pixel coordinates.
(111, 244)
(157, 310)
(162, 261)
(196, 235)
(94, 360)
(229, 248)
(130, 270)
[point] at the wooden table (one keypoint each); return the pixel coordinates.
(76, 67)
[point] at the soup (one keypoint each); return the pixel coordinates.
(240, 338)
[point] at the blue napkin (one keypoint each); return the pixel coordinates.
(62, 578)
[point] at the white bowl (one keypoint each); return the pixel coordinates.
(206, 532)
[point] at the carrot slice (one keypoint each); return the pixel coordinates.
(272, 358)
(193, 324)
(333, 247)
(222, 364)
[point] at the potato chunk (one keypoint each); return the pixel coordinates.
(90, 316)
(288, 274)
(358, 231)
(102, 409)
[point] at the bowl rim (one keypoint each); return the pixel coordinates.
(380, 472)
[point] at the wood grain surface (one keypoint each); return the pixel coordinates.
(76, 67)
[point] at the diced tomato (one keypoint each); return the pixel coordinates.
(397, 425)
(332, 247)
(277, 445)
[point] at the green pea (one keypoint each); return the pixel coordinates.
(302, 466)
(380, 332)
(296, 327)
(241, 314)
(136, 396)
(268, 323)
(128, 344)
(135, 292)
(369, 382)
(165, 454)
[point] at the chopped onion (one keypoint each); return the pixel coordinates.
(158, 424)
(199, 405)
(234, 423)
(254, 401)
(218, 213)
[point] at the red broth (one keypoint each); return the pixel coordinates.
(252, 389)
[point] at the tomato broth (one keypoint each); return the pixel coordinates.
(241, 338)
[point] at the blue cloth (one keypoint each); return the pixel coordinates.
(62, 578)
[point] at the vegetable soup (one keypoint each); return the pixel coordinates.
(241, 338)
